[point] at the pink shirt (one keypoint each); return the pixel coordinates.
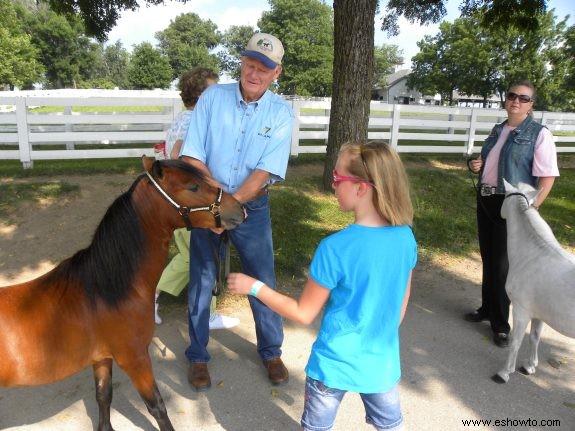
(544, 158)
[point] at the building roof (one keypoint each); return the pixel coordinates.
(396, 76)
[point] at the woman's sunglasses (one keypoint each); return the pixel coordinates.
(523, 98)
(337, 178)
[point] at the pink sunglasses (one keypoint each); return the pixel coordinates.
(337, 178)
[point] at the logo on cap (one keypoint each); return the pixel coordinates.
(265, 45)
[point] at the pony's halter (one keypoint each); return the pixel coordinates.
(214, 208)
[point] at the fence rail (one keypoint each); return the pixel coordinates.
(74, 124)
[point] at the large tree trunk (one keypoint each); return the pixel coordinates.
(353, 64)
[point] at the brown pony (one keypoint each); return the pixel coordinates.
(98, 305)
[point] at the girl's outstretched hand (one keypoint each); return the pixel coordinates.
(240, 284)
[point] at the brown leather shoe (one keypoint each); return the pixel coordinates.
(277, 372)
(199, 376)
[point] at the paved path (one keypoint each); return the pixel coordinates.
(447, 364)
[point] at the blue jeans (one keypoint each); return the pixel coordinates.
(253, 242)
(321, 403)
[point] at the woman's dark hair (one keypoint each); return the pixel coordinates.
(193, 83)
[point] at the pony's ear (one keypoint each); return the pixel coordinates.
(147, 162)
(529, 192)
(532, 195)
(157, 169)
(508, 187)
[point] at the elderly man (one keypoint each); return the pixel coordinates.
(240, 136)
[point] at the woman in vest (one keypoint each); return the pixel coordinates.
(517, 150)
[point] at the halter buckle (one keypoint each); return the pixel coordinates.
(215, 209)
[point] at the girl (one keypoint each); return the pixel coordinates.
(362, 274)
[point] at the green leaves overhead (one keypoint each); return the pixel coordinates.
(188, 42)
(149, 68)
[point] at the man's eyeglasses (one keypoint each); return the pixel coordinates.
(523, 98)
(337, 178)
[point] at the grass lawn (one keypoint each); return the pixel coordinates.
(302, 213)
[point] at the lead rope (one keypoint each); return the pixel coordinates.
(222, 270)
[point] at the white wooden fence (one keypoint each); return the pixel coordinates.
(78, 124)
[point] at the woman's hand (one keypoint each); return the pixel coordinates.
(475, 165)
(239, 283)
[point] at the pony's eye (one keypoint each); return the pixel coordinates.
(194, 188)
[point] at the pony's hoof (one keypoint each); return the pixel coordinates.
(498, 379)
(525, 371)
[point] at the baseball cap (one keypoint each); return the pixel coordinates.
(266, 48)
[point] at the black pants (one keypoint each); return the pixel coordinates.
(492, 231)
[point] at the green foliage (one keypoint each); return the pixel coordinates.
(100, 83)
(422, 11)
(234, 41)
(482, 61)
(305, 28)
(148, 68)
(519, 14)
(559, 94)
(99, 16)
(109, 67)
(187, 43)
(63, 48)
(18, 56)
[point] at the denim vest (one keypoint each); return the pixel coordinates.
(516, 158)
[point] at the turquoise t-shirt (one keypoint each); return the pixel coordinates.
(366, 269)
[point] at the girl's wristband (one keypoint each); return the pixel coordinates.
(256, 288)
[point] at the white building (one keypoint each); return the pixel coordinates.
(396, 91)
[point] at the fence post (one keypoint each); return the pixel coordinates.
(22, 126)
(451, 130)
(471, 133)
(68, 126)
(395, 118)
(327, 113)
(296, 107)
(176, 108)
(543, 118)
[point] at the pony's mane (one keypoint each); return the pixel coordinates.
(106, 268)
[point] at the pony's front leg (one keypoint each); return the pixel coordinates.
(520, 321)
(534, 338)
(103, 380)
(140, 372)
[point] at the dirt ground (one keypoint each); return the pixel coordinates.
(446, 362)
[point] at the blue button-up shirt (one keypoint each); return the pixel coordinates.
(233, 138)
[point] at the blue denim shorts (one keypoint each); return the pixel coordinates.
(321, 404)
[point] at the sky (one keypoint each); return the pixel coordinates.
(140, 26)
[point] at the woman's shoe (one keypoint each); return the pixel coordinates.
(501, 339)
(476, 316)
